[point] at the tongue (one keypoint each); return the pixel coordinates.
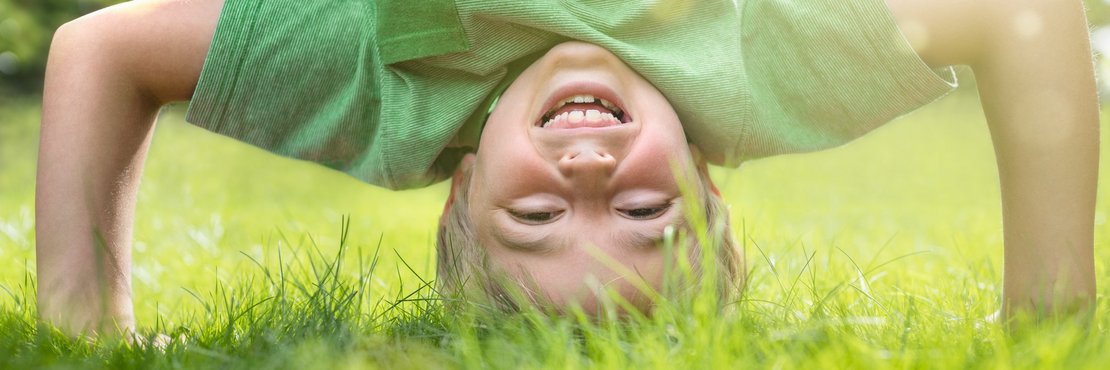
(582, 107)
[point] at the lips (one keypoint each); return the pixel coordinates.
(583, 105)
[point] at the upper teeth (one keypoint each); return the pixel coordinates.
(612, 114)
(586, 99)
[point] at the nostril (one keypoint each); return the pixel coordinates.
(587, 156)
(573, 163)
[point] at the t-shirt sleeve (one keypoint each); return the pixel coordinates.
(824, 72)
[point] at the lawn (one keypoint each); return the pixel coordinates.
(885, 253)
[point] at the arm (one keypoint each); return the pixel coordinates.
(107, 76)
(1032, 62)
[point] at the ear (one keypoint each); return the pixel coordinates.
(699, 159)
(466, 166)
(703, 168)
(467, 163)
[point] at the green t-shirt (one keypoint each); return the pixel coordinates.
(394, 92)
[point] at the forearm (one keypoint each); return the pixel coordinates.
(108, 74)
(1048, 201)
(1037, 87)
(95, 130)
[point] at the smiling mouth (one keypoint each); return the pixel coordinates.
(583, 110)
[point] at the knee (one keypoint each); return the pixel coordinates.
(90, 44)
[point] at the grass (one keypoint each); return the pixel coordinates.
(885, 253)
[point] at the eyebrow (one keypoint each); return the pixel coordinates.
(649, 238)
(528, 242)
(638, 238)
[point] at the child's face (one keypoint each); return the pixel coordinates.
(549, 190)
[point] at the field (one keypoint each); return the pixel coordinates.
(885, 253)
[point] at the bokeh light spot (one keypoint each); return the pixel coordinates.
(1028, 24)
(9, 63)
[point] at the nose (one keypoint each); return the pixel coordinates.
(587, 164)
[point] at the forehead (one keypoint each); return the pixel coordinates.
(573, 272)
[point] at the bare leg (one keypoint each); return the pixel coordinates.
(108, 74)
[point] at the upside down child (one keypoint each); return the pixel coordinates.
(563, 126)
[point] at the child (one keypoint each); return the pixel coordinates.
(557, 145)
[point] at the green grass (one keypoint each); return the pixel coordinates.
(885, 253)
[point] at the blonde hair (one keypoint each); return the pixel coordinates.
(464, 270)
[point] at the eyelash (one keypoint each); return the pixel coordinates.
(653, 212)
(536, 218)
(539, 218)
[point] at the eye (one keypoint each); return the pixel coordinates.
(646, 213)
(535, 218)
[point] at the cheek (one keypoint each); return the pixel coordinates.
(514, 179)
(508, 171)
(507, 158)
(652, 163)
